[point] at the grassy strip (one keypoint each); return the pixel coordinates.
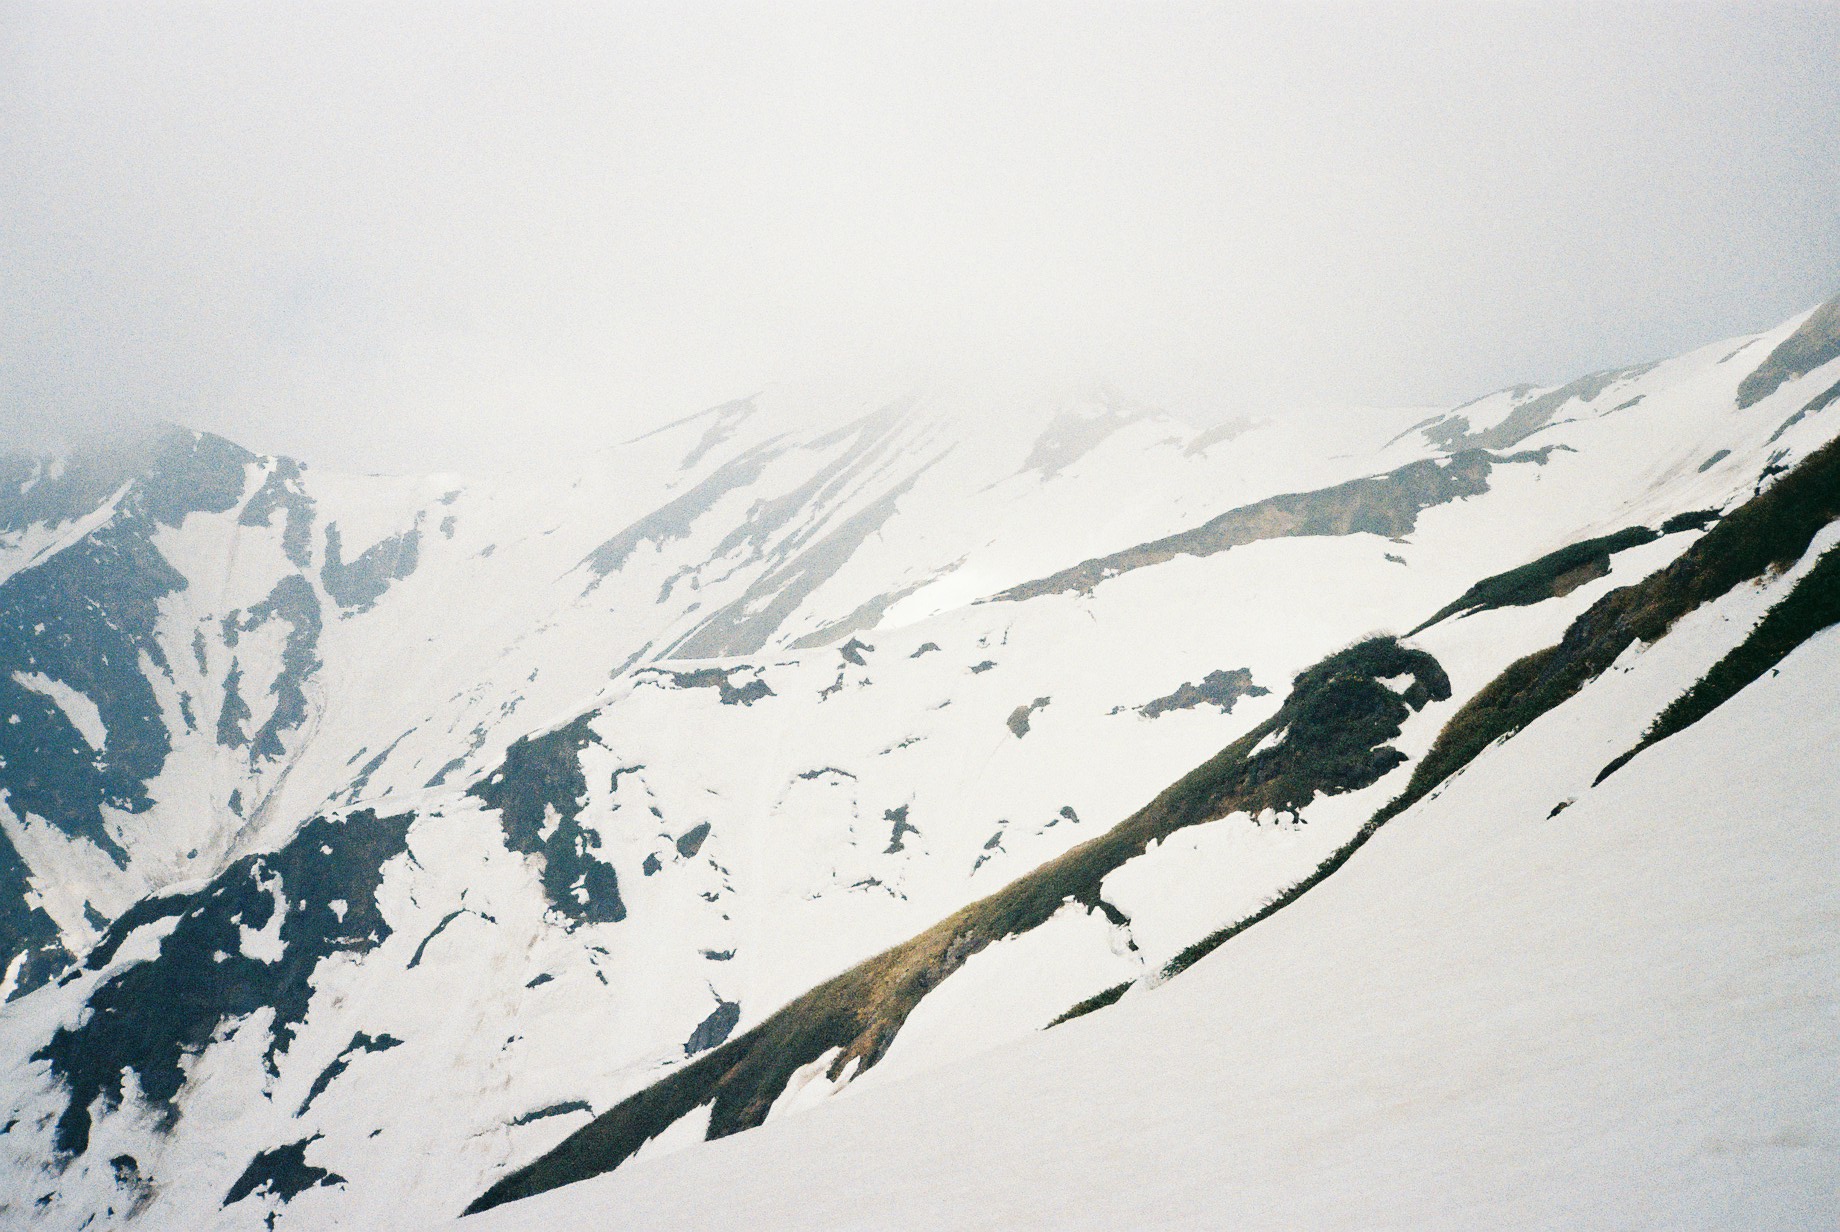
(1551, 576)
(1816, 404)
(1097, 1001)
(1767, 532)
(1336, 718)
(1812, 606)
(1813, 344)
(1387, 505)
(1770, 531)
(1695, 519)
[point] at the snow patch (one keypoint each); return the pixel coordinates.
(264, 944)
(687, 1130)
(11, 980)
(810, 1086)
(1274, 739)
(77, 707)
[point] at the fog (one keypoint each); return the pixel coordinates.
(395, 237)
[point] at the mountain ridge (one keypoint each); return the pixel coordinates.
(617, 865)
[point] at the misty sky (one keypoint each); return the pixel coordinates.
(401, 236)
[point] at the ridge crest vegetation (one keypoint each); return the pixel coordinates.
(1338, 716)
(1337, 720)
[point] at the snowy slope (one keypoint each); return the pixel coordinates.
(610, 768)
(1622, 1016)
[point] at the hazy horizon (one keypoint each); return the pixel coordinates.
(406, 237)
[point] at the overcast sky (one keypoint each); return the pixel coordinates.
(394, 236)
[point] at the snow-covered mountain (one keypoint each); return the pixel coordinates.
(377, 848)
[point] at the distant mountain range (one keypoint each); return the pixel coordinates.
(377, 849)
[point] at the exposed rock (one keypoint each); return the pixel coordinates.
(1219, 688)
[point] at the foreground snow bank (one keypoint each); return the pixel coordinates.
(1624, 1015)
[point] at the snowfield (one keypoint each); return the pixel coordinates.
(1626, 1015)
(374, 847)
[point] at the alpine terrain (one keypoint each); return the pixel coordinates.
(941, 810)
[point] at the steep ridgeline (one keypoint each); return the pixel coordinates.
(165, 607)
(1331, 738)
(86, 682)
(1765, 536)
(249, 941)
(200, 647)
(1559, 573)
(1386, 505)
(1325, 740)
(1495, 1015)
(562, 801)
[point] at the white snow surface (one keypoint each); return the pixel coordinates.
(1622, 1016)
(77, 707)
(851, 804)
